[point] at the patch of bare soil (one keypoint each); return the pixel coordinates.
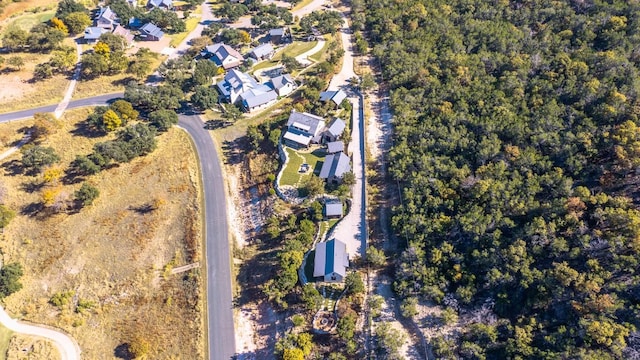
(114, 256)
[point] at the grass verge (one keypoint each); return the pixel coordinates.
(5, 339)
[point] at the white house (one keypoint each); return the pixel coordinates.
(223, 55)
(331, 261)
(106, 19)
(303, 129)
(283, 84)
(242, 89)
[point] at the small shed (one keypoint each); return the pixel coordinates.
(333, 209)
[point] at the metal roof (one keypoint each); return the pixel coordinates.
(336, 128)
(315, 123)
(335, 146)
(151, 29)
(333, 209)
(279, 82)
(297, 137)
(256, 99)
(330, 257)
(335, 165)
(261, 50)
(336, 96)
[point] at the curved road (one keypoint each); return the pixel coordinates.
(221, 335)
(67, 347)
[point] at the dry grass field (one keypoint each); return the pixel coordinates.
(113, 257)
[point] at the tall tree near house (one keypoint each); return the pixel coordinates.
(77, 21)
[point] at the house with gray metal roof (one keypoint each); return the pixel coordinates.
(337, 97)
(331, 261)
(126, 34)
(106, 18)
(162, 4)
(333, 209)
(223, 55)
(262, 52)
(150, 32)
(242, 89)
(278, 36)
(334, 167)
(283, 84)
(303, 129)
(334, 147)
(92, 34)
(334, 130)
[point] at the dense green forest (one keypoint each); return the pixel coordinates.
(517, 150)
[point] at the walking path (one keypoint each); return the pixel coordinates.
(72, 84)
(68, 348)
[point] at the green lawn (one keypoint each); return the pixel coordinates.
(291, 176)
(26, 22)
(5, 338)
(317, 57)
(294, 49)
(191, 24)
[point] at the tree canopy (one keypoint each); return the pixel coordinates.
(516, 133)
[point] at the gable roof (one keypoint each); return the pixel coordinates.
(151, 29)
(158, 3)
(313, 122)
(235, 83)
(252, 98)
(330, 257)
(93, 33)
(335, 146)
(222, 51)
(126, 34)
(336, 96)
(333, 209)
(281, 81)
(335, 165)
(336, 128)
(276, 32)
(261, 50)
(106, 13)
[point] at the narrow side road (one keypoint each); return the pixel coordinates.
(72, 84)
(68, 348)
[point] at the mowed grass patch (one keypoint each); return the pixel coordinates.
(191, 24)
(113, 253)
(19, 92)
(27, 21)
(294, 49)
(291, 174)
(322, 54)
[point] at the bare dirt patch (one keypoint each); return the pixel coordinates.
(114, 256)
(19, 92)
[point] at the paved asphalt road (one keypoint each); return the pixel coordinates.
(219, 299)
(222, 344)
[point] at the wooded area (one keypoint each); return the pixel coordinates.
(516, 149)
